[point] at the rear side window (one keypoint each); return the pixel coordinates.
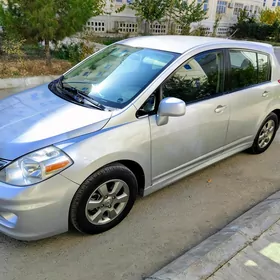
(248, 68)
(264, 68)
(244, 69)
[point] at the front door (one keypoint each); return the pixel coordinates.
(199, 135)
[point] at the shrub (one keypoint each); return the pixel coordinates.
(74, 52)
(253, 30)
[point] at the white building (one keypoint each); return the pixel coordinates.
(126, 21)
(271, 4)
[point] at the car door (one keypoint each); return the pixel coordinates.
(187, 141)
(249, 95)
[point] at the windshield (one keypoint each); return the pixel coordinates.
(117, 74)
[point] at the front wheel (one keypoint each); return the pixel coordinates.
(104, 199)
(265, 134)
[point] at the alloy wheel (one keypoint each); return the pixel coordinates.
(266, 134)
(107, 202)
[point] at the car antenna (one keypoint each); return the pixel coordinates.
(229, 37)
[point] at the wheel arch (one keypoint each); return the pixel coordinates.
(138, 171)
(133, 166)
(271, 109)
(277, 112)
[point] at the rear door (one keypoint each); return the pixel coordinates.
(248, 83)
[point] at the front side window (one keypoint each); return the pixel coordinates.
(117, 74)
(248, 68)
(199, 78)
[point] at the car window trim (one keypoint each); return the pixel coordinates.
(228, 66)
(157, 94)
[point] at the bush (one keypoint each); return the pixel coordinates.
(74, 52)
(12, 46)
(198, 31)
(33, 50)
(107, 40)
(253, 30)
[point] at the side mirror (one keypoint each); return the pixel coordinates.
(170, 107)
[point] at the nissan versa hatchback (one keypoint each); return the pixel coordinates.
(127, 121)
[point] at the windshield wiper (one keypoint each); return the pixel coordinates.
(79, 95)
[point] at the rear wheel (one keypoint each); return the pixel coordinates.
(104, 199)
(265, 134)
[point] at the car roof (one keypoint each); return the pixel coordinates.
(181, 44)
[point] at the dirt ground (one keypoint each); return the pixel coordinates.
(12, 69)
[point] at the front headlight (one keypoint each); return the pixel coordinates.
(35, 167)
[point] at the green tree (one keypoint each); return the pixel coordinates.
(218, 18)
(267, 16)
(150, 10)
(48, 20)
(244, 16)
(185, 13)
(276, 30)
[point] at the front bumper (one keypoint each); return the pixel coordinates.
(38, 211)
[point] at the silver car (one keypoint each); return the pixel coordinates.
(127, 121)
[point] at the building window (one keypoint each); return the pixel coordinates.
(157, 28)
(96, 26)
(278, 3)
(205, 4)
(264, 3)
(222, 31)
(127, 27)
(237, 8)
(274, 3)
(119, 1)
(221, 7)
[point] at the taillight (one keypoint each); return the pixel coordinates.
(279, 81)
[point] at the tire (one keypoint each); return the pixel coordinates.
(257, 148)
(107, 212)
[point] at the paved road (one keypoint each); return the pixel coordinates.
(160, 227)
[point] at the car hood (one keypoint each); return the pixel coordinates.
(36, 118)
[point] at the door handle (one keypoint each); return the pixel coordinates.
(220, 109)
(265, 94)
